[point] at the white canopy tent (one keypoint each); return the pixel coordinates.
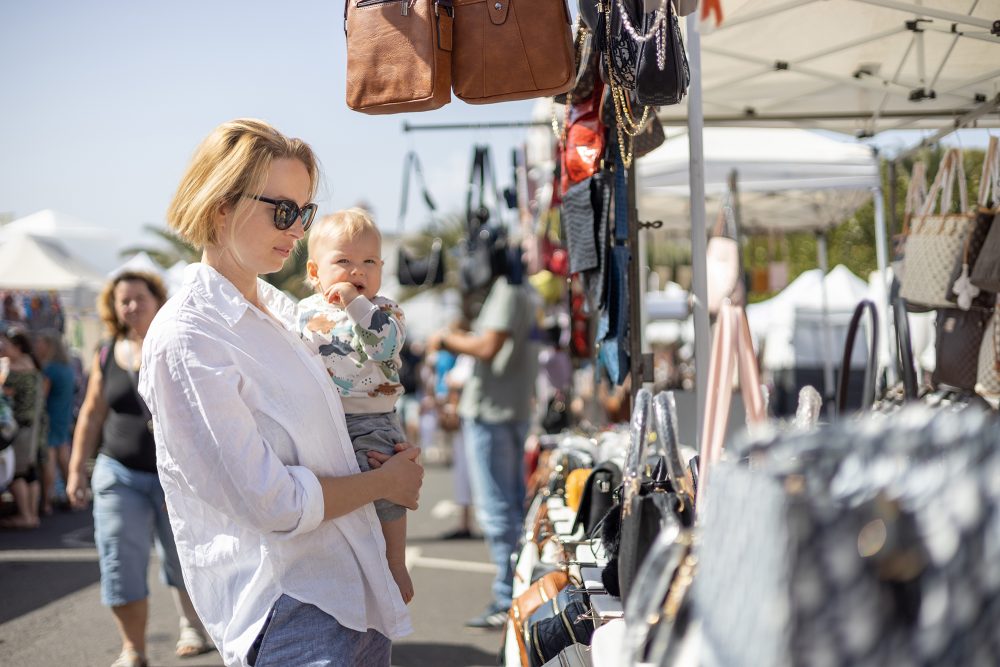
(852, 65)
(857, 66)
(98, 246)
(31, 263)
(141, 261)
(788, 179)
(792, 328)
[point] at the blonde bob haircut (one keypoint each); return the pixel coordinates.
(232, 161)
(106, 301)
(348, 224)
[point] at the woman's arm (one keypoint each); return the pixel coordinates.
(86, 436)
(212, 450)
(398, 480)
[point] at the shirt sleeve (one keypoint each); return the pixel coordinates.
(379, 327)
(498, 310)
(210, 446)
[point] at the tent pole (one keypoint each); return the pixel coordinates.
(699, 240)
(823, 257)
(882, 256)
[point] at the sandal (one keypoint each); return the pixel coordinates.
(129, 658)
(192, 643)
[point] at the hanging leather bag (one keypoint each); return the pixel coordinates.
(936, 239)
(508, 50)
(410, 270)
(957, 347)
(484, 251)
(399, 55)
(723, 263)
(988, 372)
(986, 270)
(964, 291)
(662, 73)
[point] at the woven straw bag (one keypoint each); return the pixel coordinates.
(936, 241)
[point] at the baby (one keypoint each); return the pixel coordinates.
(359, 335)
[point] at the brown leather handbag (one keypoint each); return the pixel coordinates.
(511, 50)
(398, 55)
(540, 592)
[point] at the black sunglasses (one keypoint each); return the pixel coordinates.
(286, 212)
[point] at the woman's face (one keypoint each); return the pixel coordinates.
(8, 349)
(135, 305)
(247, 231)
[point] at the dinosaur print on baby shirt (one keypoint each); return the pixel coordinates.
(360, 348)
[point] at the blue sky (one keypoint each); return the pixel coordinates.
(104, 102)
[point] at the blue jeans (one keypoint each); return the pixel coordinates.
(129, 510)
(296, 633)
(495, 455)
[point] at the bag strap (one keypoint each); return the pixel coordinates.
(732, 351)
(871, 365)
(482, 174)
(412, 163)
(916, 194)
(989, 182)
(944, 184)
(634, 458)
(665, 418)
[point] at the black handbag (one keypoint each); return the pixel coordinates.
(621, 63)
(484, 253)
(959, 335)
(662, 71)
(649, 503)
(410, 270)
(598, 497)
(421, 272)
(548, 637)
(871, 364)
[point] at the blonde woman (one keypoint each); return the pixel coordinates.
(128, 500)
(275, 525)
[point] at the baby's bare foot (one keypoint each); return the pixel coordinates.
(402, 577)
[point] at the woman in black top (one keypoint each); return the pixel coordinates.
(129, 507)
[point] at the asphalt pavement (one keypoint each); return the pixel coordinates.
(51, 615)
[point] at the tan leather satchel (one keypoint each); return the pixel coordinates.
(540, 592)
(398, 55)
(511, 50)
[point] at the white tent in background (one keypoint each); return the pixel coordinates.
(141, 261)
(788, 179)
(97, 245)
(790, 326)
(31, 263)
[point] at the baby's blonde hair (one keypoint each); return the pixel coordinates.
(348, 224)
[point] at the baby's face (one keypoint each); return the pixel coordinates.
(357, 261)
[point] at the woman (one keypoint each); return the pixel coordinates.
(274, 523)
(24, 385)
(128, 500)
(52, 355)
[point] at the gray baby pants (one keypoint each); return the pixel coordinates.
(377, 432)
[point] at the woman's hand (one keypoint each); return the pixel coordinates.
(77, 489)
(376, 459)
(403, 477)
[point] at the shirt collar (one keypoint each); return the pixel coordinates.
(229, 302)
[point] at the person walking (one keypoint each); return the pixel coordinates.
(495, 407)
(274, 522)
(129, 508)
(51, 353)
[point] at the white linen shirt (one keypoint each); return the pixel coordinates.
(245, 419)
